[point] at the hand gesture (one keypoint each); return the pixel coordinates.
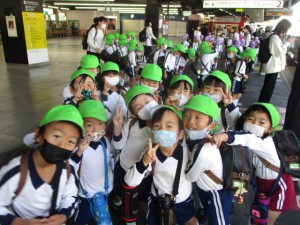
(78, 94)
(217, 139)
(172, 101)
(94, 93)
(245, 76)
(82, 146)
(118, 118)
(150, 154)
(227, 97)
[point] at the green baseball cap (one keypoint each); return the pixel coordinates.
(131, 33)
(80, 72)
(67, 113)
(176, 111)
(117, 35)
(131, 47)
(89, 62)
(92, 109)
(152, 72)
(123, 37)
(191, 53)
(249, 52)
(275, 118)
(134, 91)
(222, 76)
(140, 48)
(203, 104)
(160, 41)
(122, 42)
(205, 48)
(233, 49)
(133, 42)
(109, 39)
(169, 44)
(180, 47)
(182, 78)
(110, 66)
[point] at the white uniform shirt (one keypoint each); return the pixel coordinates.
(95, 41)
(170, 62)
(150, 36)
(206, 65)
(158, 53)
(132, 58)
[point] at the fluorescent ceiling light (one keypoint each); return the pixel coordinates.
(99, 4)
(177, 6)
(65, 8)
(117, 8)
(132, 12)
(52, 7)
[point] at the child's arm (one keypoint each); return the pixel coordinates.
(195, 166)
(121, 132)
(136, 174)
(240, 69)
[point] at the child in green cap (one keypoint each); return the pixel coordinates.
(94, 165)
(131, 138)
(254, 130)
(170, 201)
(132, 61)
(230, 61)
(180, 91)
(140, 61)
(88, 62)
(160, 53)
(82, 87)
(216, 86)
(41, 186)
(199, 119)
(123, 49)
(240, 75)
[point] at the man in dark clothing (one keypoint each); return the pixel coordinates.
(204, 30)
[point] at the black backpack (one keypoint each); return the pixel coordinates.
(85, 37)
(264, 52)
(142, 35)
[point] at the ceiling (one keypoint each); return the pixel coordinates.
(255, 15)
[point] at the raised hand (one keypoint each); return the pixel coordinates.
(150, 154)
(217, 139)
(82, 146)
(172, 101)
(78, 94)
(227, 97)
(118, 120)
(94, 93)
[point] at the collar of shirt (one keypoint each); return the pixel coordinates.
(176, 154)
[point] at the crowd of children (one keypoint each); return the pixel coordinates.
(139, 134)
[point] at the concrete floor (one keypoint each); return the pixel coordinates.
(27, 93)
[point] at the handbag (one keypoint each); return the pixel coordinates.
(243, 85)
(99, 202)
(288, 149)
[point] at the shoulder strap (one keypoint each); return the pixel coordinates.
(131, 124)
(106, 183)
(223, 118)
(68, 167)
(205, 66)
(23, 173)
(177, 175)
(269, 165)
(55, 186)
(96, 33)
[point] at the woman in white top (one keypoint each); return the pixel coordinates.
(95, 38)
(197, 33)
(277, 49)
(150, 36)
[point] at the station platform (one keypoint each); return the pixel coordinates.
(26, 93)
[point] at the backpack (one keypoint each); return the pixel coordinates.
(115, 56)
(85, 37)
(104, 55)
(264, 52)
(161, 60)
(142, 35)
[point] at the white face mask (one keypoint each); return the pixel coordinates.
(165, 47)
(254, 129)
(145, 112)
(116, 41)
(196, 134)
(182, 99)
(103, 26)
(113, 81)
(215, 97)
(153, 89)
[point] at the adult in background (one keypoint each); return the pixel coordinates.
(96, 35)
(275, 63)
(149, 36)
(197, 33)
(292, 119)
(247, 36)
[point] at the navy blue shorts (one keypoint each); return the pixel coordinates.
(184, 211)
(217, 206)
(131, 72)
(236, 86)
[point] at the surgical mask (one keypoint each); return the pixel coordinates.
(182, 99)
(94, 136)
(196, 134)
(153, 89)
(113, 81)
(165, 47)
(145, 112)
(254, 129)
(116, 41)
(230, 56)
(215, 97)
(165, 138)
(53, 154)
(103, 26)
(86, 94)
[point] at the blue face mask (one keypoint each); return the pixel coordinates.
(230, 56)
(86, 94)
(165, 138)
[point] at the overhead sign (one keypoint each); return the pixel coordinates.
(279, 12)
(227, 19)
(254, 4)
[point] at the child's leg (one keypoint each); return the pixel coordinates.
(84, 215)
(272, 216)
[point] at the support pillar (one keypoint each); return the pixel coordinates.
(154, 13)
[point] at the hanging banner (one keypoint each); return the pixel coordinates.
(35, 36)
(253, 4)
(11, 26)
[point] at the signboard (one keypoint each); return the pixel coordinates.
(32, 5)
(35, 37)
(278, 12)
(228, 19)
(11, 26)
(254, 4)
